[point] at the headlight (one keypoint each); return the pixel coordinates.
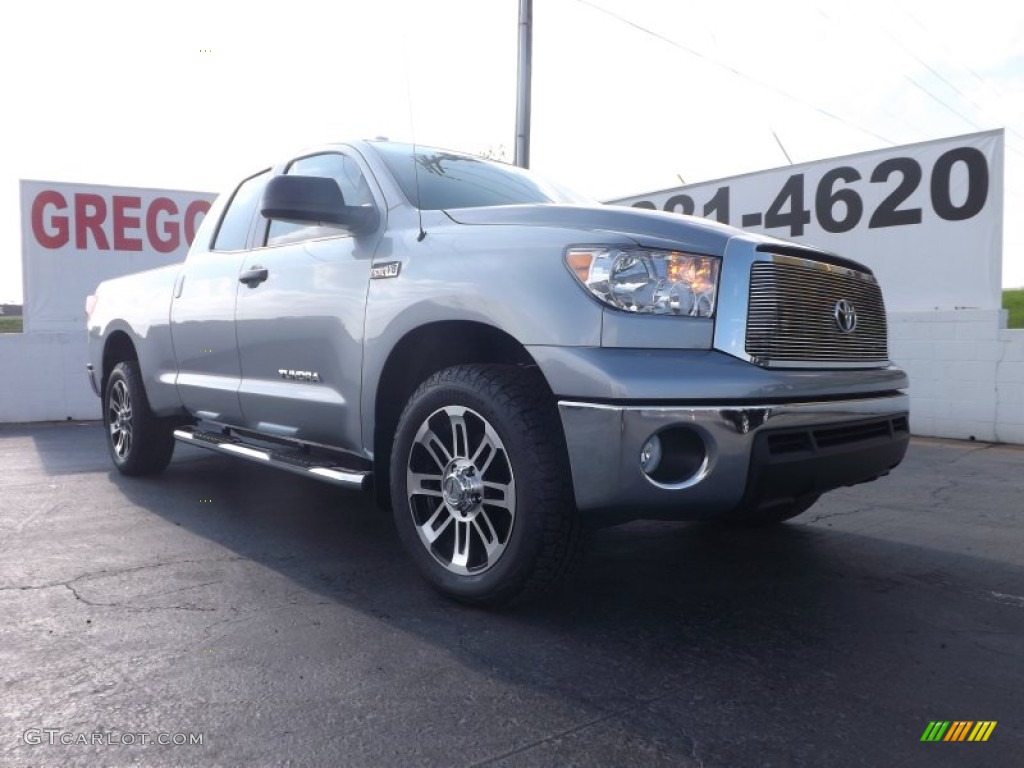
(648, 281)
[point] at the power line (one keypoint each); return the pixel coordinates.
(941, 103)
(953, 54)
(881, 107)
(775, 89)
(931, 69)
(928, 32)
(732, 70)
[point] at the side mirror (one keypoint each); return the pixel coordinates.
(314, 200)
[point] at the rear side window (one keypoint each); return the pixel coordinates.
(234, 224)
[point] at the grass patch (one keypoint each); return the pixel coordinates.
(1014, 301)
(10, 324)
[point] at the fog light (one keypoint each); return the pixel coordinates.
(650, 455)
(676, 457)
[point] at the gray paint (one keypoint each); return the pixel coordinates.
(500, 266)
(697, 375)
(607, 474)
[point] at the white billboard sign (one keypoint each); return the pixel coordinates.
(75, 235)
(926, 218)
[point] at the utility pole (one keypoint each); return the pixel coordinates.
(522, 156)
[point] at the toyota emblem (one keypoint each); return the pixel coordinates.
(845, 315)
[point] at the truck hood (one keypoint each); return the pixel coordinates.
(690, 232)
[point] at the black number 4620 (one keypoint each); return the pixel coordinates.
(838, 207)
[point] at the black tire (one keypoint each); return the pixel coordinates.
(505, 493)
(139, 442)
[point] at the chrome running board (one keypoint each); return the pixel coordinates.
(290, 461)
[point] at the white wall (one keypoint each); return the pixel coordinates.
(42, 378)
(966, 375)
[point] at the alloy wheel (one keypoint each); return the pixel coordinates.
(461, 489)
(119, 418)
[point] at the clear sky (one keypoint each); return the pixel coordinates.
(629, 95)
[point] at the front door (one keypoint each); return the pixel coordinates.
(300, 320)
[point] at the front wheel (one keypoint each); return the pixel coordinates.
(139, 442)
(481, 484)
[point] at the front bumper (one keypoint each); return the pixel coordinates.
(754, 455)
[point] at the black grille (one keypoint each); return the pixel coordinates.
(791, 318)
(796, 463)
(823, 438)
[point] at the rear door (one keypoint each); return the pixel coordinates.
(203, 310)
(300, 329)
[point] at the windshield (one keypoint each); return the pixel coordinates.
(441, 179)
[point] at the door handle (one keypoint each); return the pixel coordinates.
(253, 277)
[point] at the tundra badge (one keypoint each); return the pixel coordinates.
(287, 373)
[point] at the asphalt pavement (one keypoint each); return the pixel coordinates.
(276, 621)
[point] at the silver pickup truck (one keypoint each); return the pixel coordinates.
(500, 360)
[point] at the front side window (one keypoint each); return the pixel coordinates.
(233, 231)
(349, 177)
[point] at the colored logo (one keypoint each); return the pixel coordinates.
(958, 730)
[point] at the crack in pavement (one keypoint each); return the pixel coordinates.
(830, 515)
(130, 607)
(185, 589)
(583, 726)
(551, 737)
(971, 452)
(69, 584)
(936, 493)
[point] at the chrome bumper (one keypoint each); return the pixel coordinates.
(741, 465)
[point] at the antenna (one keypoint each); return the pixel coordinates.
(416, 176)
(777, 141)
(412, 129)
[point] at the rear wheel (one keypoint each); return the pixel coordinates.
(139, 442)
(481, 484)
